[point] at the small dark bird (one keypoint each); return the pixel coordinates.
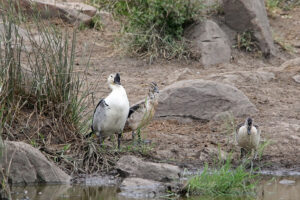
(142, 113)
(248, 137)
(111, 113)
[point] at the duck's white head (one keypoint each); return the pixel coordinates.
(114, 80)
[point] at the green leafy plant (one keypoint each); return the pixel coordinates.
(246, 41)
(154, 28)
(262, 147)
(281, 4)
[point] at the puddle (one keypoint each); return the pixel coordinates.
(276, 188)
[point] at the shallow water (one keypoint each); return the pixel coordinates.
(277, 188)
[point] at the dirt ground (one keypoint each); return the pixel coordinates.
(188, 143)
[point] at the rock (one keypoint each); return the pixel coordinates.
(287, 182)
(29, 165)
(19, 34)
(180, 74)
(243, 76)
(71, 12)
(202, 100)
(288, 70)
(297, 78)
(97, 180)
(141, 188)
(106, 18)
(290, 65)
(209, 42)
(213, 153)
(80, 7)
(130, 166)
(244, 15)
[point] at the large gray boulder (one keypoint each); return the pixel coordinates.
(73, 12)
(202, 100)
(209, 43)
(25, 164)
(130, 166)
(244, 15)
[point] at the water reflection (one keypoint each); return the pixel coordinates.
(270, 189)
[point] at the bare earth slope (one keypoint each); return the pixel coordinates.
(276, 96)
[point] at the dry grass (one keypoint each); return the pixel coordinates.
(43, 98)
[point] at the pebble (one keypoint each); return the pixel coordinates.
(287, 182)
(297, 78)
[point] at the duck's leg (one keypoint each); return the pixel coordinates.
(243, 153)
(133, 135)
(255, 154)
(100, 138)
(139, 136)
(119, 139)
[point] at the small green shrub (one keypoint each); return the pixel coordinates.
(222, 181)
(154, 28)
(273, 4)
(281, 4)
(246, 41)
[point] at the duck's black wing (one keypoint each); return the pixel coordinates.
(134, 108)
(99, 112)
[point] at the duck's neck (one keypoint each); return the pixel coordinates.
(114, 87)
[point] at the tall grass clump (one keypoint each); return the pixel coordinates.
(154, 28)
(42, 99)
(222, 181)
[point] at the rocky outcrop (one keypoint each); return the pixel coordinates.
(130, 166)
(73, 12)
(202, 100)
(209, 43)
(289, 70)
(238, 77)
(25, 164)
(245, 15)
(141, 188)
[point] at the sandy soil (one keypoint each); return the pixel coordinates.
(277, 100)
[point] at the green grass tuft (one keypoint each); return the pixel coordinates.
(223, 181)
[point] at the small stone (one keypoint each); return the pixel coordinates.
(287, 182)
(297, 78)
(130, 166)
(25, 191)
(40, 193)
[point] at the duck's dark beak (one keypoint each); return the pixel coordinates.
(117, 79)
(249, 130)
